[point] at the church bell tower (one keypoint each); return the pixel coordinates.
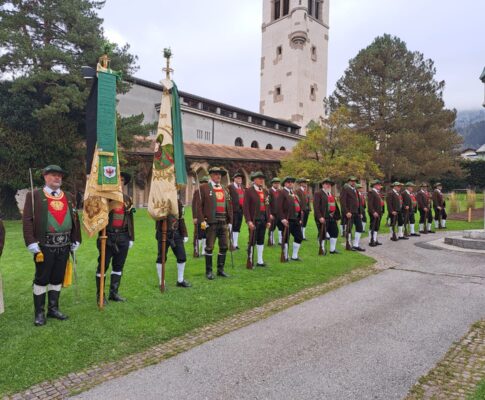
(294, 60)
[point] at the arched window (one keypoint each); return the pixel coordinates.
(255, 144)
(238, 142)
(282, 148)
(269, 146)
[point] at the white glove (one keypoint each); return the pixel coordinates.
(186, 239)
(33, 248)
(229, 226)
(75, 246)
(130, 244)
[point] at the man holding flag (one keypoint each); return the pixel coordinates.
(169, 171)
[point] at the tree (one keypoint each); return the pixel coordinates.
(332, 149)
(42, 92)
(393, 98)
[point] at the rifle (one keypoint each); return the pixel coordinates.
(250, 259)
(322, 238)
(196, 241)
(393, 226)
(406, 223)
(426, 222)
(348, 234)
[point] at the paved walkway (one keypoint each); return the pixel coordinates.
(371, 339)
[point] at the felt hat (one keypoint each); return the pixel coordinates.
(288, 179)
(217, 170)
(257, 174)
(53, 168)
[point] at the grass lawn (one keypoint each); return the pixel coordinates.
(29, 354)
(479, 393)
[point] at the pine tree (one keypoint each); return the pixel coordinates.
(393, 97)
(42, 91)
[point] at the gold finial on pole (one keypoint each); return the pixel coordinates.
(167, 53)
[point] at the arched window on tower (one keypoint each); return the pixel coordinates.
(269, 146)
(255, 144)
(282, 148)
(286, 7)
(238, 142)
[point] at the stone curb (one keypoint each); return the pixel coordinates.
(457, 375)
(78, 382)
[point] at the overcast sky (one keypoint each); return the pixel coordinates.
(217, 43)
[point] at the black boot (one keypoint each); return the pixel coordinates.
(208, 267)
(53, 305)
(98, 281)
(113, 288)
(221, 260)
(39, 304)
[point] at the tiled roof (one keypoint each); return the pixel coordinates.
(219, 151)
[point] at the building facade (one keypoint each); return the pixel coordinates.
(294, 60)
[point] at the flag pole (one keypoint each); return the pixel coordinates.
(164, 253)
(102, 263)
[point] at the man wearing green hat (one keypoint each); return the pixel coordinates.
(214, 210)
(273, 195)
(424, 205)
(236, 191)
(305, 200)
(439, 207)
(199, 234)
(257, 215)
(394, 205)
(376, 209)
(289, 212)
(51, 230)
(409, 207)
(327, 212)
(350, 204)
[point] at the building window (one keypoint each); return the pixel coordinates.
(282, 148)
(310, 7)
(238, 142)
(286, 7)
(277, 9)
(255, 144)
(200, 134)
(314, 53)
(279, 51)
(269, 146)
(278, 90)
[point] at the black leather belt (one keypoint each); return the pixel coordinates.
(58, 239)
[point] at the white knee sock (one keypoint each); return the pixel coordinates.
(429, 226)
(280, 237)
(38, 290)
(260, 248)
(400, 231)
(303, 232)
(436, 223)
(363, 226)
(56, 288)
(203, 246)
(333, 244)
(296, 247)
(443, 223)
(421, 227)
(412, 228)
(235, 237)
(159, 272)
(180, 271)
(357, 239)
(374, 235)
(286, 251)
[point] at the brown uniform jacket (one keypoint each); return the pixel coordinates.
(34, 228)
(2, 236)
(129, 211)
(374, 202)
(286, 205)
(438, 199)
(235, 197)
(349, 200)
(305, 202)
(206, 207)
(173, 223)
(195, 204)
(251, 205)
(320, 207)
(362, 203)
(407, 201)
(273, 200)
(394, 202)
(423, 200)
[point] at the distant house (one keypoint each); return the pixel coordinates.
(481, 152)
(468, 154)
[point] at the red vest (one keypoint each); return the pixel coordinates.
(331, 203)
(240, 193)
(413, 200)
(118, 217)
(262, 205)
(220, 200)
(58, 219)
(297, 203)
